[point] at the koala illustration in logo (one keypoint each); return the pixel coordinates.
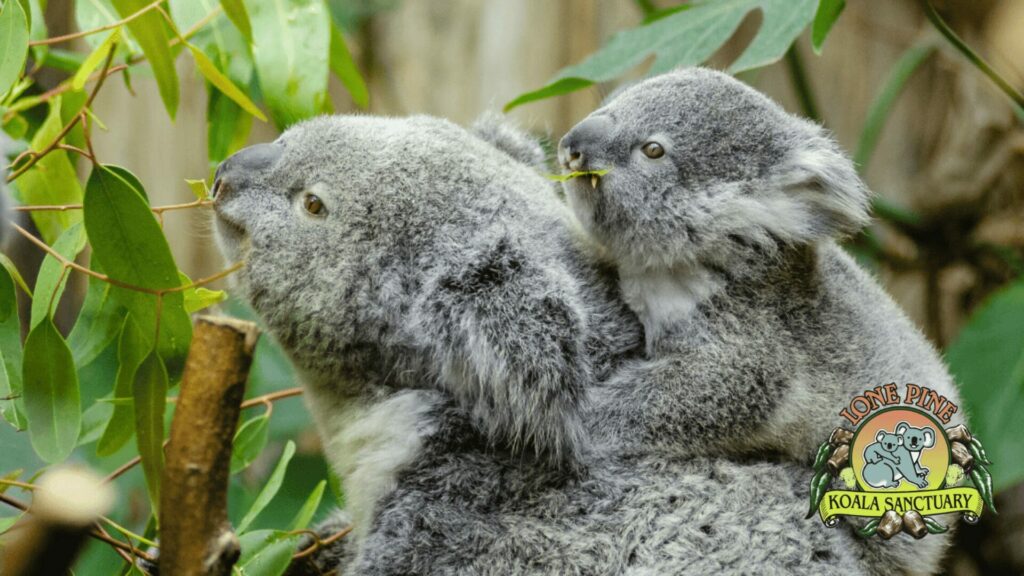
(888, 460)
(915, 440)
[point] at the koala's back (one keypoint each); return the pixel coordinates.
(471, 511)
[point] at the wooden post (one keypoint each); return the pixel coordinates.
(195, 536)
(65, 505)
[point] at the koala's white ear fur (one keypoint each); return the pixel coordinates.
(929, 438)
(901, 428)
(880, 435)
(827, 189)
(500, 132)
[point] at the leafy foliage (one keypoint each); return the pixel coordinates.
(686, 36)
(113, 378)
(987, 360)
(86, 396)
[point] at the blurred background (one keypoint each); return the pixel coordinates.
(951, 151)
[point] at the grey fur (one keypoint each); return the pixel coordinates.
(454, 332)
(760, 329)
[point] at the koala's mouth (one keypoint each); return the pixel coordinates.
(231, 233)
(593, 177)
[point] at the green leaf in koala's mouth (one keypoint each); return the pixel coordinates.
(577, 174)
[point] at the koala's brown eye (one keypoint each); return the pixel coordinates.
(313, 204)
(653, 150)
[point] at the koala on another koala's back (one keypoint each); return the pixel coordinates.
(722, 212)
(434, 298)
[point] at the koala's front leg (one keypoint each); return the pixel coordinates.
(508, 333)
(696, 402)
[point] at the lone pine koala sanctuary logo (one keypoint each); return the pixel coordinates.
(899, 466)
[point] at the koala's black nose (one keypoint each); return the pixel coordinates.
(243, 165)
(579, 148)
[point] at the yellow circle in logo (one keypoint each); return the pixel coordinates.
(899, 450)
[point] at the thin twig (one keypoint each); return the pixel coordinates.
(250, 403)
(84, 33)
(272, 397)
(103, 277)
(66, 207)
(317, 543)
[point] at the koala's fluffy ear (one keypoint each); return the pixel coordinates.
(901, 428)
(508, 334)
(500, 132)
(929, 437)
(880, 435)
(831, 200)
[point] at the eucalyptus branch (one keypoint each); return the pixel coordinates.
(159, 292)
(37, 156)
(318, 543)
(272, 397)
(111, 26)
(126, 532)
(250, 403)
(972, 56)
(30, 102)
(156, 209)
(96, 532)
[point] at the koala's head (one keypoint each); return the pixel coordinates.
(341, 219)
(702, 168)
(916, 439)
(889, 442)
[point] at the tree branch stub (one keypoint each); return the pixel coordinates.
(196, 537)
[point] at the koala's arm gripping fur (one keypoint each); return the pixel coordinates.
(695, 401)
(507, 334)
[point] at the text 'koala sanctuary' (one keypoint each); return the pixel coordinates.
(888, 395)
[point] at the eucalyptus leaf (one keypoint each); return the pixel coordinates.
(52, 278)
(131, 350)
(250, 439)
(235, 9)
(128, 241)
(93, 61)
(52, 180)
(150, 31)
(290, 40)
(305, 514)
(266, 552)
(14, 28)
(270, 488)
(10, 354)
(987, 360)
(686, 38)
(99, 320)
(150, 391)
(223, 83)
(94, 421)
(52, 401)
(344, 67)
(227, 130)
(826, 16)
(6, 263)
(93, 14)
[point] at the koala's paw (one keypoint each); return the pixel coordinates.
(328, 558)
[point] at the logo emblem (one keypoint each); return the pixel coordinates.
(899, 466)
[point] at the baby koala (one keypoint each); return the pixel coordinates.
(721, 212)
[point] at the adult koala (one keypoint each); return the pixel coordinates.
(451, 328)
